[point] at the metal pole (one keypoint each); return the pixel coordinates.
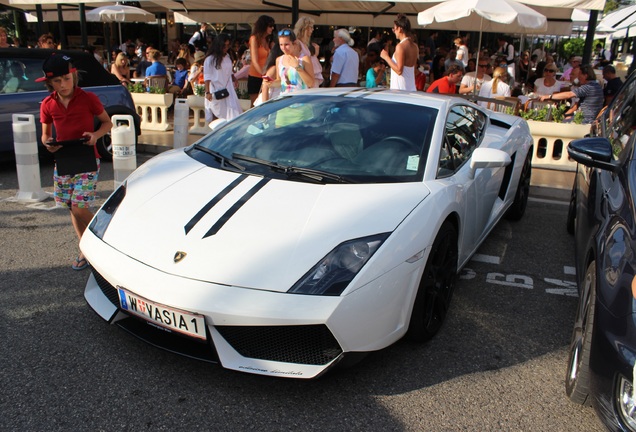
(589, 37)
(60, 20)
(40, 15)
(83, 31)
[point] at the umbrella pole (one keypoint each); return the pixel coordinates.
(120, 41)
(481, 23)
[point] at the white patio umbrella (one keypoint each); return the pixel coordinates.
(119, 14)
(501, 16)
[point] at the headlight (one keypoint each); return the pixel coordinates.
(627, 402)
(334, 272)
(102, 219)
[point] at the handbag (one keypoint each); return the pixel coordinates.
(221, 94)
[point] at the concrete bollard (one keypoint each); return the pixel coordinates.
(26, 159)
(124, 152)
(181, 123)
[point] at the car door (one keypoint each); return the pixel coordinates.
(464, 131)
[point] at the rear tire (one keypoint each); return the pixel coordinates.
(518, 207)
(436, 286)
(577, 378)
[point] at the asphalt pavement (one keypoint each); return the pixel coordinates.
(498, 363)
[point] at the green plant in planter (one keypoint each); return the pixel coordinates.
(578, 117)
(199, 90)
(242, 94)
(157, 90)
(137, 87)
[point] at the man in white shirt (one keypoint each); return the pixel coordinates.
(346, 62)
(475, 79)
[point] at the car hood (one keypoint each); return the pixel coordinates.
(245, 230)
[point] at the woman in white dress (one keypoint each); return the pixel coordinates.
(404, 59)
(217, 71)
(496, 87)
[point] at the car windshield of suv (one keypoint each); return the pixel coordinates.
(348, 140)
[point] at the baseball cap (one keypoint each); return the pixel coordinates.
(578, 59)
(56, 65)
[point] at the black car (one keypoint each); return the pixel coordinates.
(20, 94)
(602, 217)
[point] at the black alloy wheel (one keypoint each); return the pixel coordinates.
(577, 378)
(518, 207)
(436, 286)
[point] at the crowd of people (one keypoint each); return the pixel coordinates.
(276, 62)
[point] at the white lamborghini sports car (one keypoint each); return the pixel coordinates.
(308, 231)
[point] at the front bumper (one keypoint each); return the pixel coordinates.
(250, 330)
(612, 361)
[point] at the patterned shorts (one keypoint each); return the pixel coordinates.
(78, 190)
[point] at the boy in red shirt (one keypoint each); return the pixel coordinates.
(448, 83)
(72, 111)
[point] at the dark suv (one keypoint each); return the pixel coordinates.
(20, 94)
(601, 368)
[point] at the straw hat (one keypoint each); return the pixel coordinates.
(199, 55)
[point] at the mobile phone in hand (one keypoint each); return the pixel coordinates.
(267, 78)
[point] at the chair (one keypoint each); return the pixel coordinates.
(346, 139)
(159, 81)
(507, 103)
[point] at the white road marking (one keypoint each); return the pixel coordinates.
(489, 259)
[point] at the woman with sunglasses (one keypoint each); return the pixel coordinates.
(259, 49)
(293, 71)
(217, 72)
(548, 84)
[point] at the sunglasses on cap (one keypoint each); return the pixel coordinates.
(286, 32)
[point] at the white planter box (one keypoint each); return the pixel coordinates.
(153, 109)
(197, 105)
(551, 141)
(245, 104)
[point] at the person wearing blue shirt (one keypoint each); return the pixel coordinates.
(375, 74)
(180, 83)
(344, 68)
(156, 68)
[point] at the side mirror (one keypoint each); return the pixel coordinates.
(593, 152)
(487, 158)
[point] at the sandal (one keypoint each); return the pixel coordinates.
(79, 264)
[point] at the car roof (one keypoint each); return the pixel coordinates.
(439, 102)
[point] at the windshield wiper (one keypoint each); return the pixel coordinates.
(310, 173)
(219, 157)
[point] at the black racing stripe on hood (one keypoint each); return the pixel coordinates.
(213, 202)
(235, 208)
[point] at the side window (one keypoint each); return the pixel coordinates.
(19, 75)
(464, 130)
(620, 121)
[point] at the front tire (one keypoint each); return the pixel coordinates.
(436, 286)
(577, 379)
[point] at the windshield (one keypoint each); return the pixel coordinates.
(352, 140)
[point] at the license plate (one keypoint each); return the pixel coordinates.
(173, 319)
